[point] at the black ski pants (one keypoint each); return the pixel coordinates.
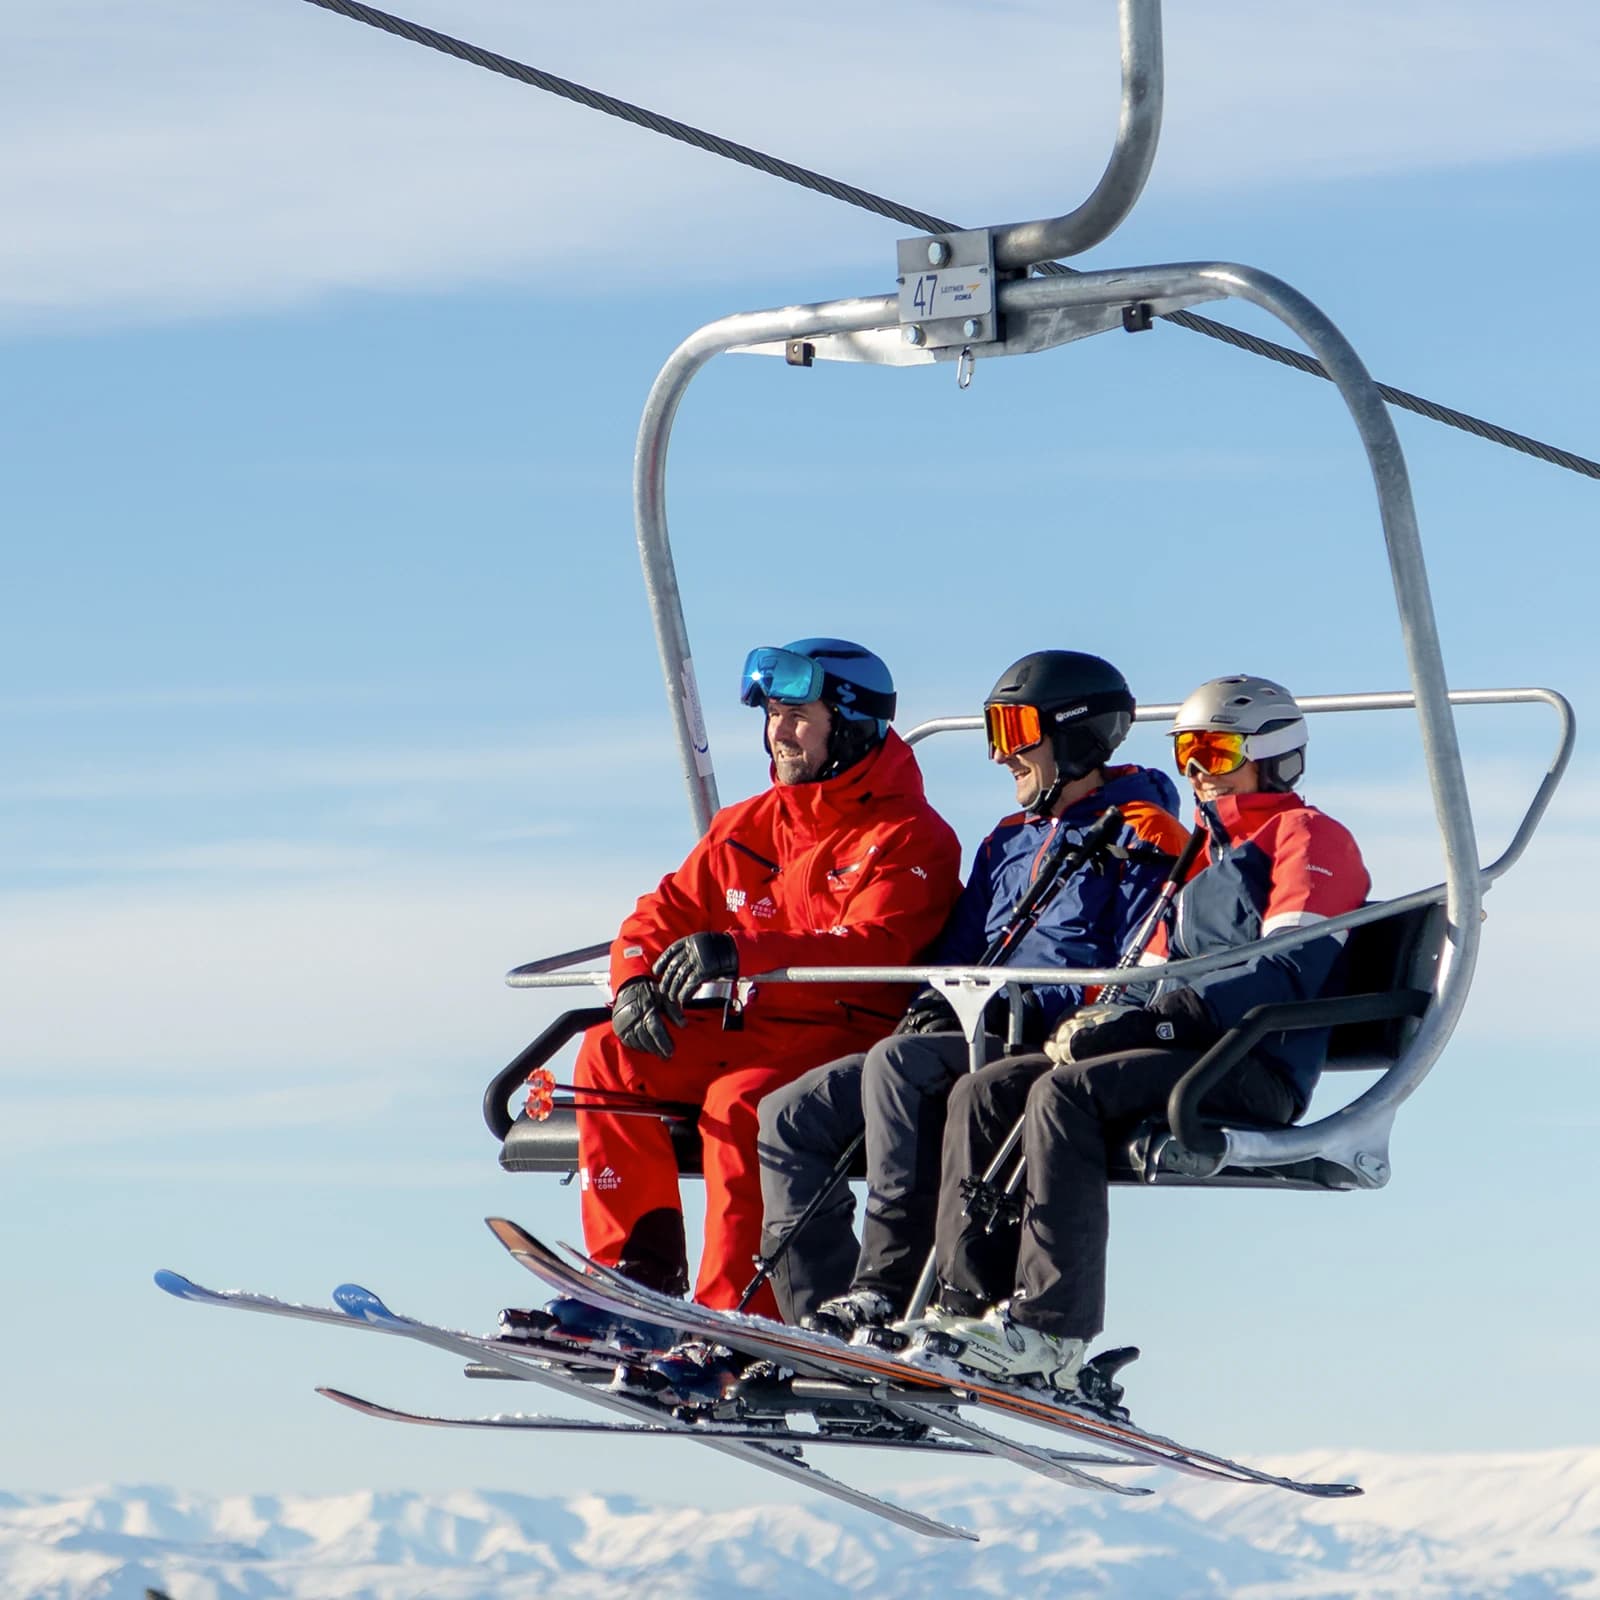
(895, 1092)
(1053, 1270)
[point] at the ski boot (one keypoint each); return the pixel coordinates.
(698, 1372)
(997, 1347)
(583, 1323)
(847, 1314)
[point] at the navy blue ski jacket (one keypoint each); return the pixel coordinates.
(1095, 911)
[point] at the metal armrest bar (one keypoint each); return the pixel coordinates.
(567, 958)
(1290, 1016)
(569, 1023)
(710, 997)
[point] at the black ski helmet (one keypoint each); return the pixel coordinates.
(853, 683)
(1085, 709)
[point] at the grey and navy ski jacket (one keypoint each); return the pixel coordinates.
(1095, 910)
(1270, 862)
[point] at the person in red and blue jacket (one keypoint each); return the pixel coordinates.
(1053, 720)
(1025, 1307)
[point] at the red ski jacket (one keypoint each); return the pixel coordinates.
(855, 871)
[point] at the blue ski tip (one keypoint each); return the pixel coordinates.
(176, 1284)
(362, 1304)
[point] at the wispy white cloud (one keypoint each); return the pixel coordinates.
(338, 977)
(232, 856)
(133, 1117)
(225, 771)
(186, 698)
(367, 1177)
(180, 158)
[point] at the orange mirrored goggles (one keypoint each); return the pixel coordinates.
(1011, 728)
(1212, 751)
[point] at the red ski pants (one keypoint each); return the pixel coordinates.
(628, 1169)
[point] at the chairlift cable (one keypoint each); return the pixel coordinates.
(924, 222)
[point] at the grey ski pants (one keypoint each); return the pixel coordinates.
(896, 1093)
(1054, 1271)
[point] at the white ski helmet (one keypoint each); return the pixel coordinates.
(1263, 712)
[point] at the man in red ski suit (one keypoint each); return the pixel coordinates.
(841, 862)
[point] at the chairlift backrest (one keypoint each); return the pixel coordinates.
(1400, 952)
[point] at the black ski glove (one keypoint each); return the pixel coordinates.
(929, 1012)
(639, 1019)
(682, 967)
(1177, 1021)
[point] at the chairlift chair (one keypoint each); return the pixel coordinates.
(969, 296)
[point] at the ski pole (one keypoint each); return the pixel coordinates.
(543, 1088)
(1146, 931)
(1062, 858)
(765, 1265)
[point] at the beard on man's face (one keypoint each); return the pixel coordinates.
(793, 765)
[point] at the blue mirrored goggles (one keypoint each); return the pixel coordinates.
(781, 675)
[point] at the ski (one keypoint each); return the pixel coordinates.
(599, 1361)
(522, 1421)
(360, 1308)
(798, 1347)
(1112, 1430)
(782, 1458)
(885, 1389)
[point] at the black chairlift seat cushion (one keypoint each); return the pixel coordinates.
(552, 1145)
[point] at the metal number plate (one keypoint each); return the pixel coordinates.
(947, 292)
(947, 282)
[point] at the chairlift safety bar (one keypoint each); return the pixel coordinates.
(545, 973)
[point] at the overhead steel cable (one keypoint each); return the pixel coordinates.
(923, 221)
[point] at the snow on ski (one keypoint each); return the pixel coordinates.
(794, 1346)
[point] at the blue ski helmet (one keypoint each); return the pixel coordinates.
(854, 684)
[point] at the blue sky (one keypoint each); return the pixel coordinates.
(329, 691)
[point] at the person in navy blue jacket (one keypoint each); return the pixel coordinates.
(1053, 720)
(1024, 1303)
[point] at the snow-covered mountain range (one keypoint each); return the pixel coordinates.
(1526, 1527)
